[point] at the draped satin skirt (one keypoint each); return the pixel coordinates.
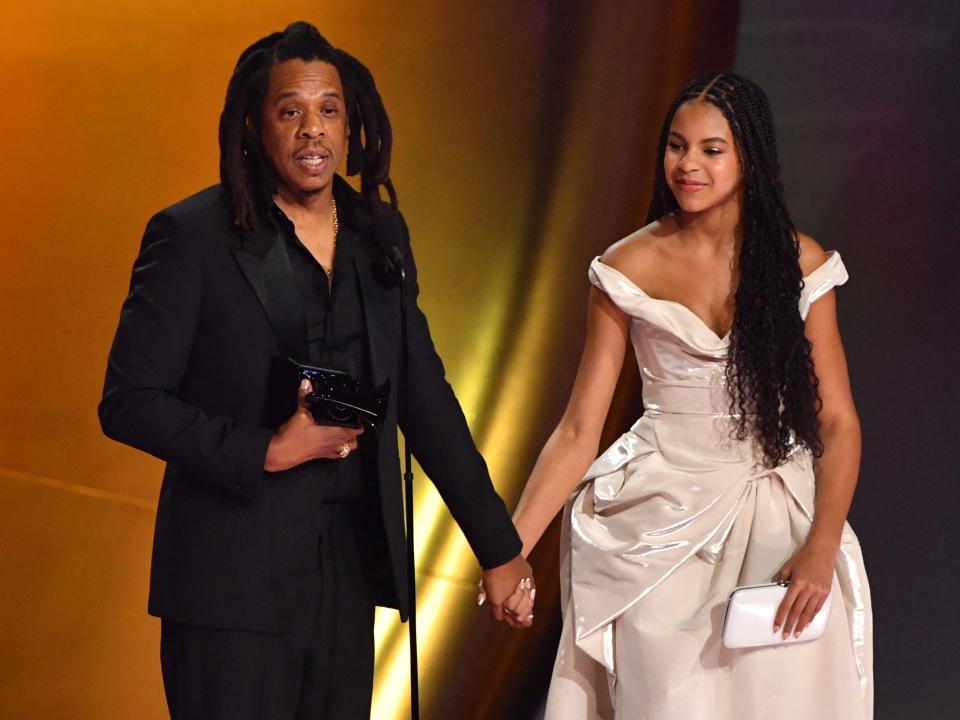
(644, 605)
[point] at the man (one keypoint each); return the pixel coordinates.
(276, 536)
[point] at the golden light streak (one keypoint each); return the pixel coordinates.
(391, 695)
(440, 544)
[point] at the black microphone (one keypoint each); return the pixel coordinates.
(397, 257)
(386, 229)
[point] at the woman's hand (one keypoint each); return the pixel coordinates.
(810, 574)
(511, 591)
(517, 610)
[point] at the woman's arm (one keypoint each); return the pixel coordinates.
(810, 570)
(839, 466)
(573, 444)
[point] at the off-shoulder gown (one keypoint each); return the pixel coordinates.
(673, 516)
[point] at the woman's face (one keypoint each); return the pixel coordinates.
(700, 161)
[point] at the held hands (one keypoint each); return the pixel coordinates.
(301, 439)
(810, 573)
(510, 591)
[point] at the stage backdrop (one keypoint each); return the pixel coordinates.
(524, 146)
(866, 99)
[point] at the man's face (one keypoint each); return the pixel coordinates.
(304, 126)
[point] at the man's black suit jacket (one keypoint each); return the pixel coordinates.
(193, 379)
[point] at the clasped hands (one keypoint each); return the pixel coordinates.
(510, 592)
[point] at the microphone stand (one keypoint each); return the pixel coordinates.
(397, 258)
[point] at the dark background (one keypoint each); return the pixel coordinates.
(866, 100)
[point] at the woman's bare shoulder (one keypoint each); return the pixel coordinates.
(812, 254)
(634, 254)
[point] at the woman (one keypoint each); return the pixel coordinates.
(743, 466)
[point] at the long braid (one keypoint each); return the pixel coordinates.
(247, 174)
(770, 375)
(236, 141)
(373, 160)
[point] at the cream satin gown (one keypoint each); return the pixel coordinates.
(670, 519)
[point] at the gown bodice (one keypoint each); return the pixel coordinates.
(682, 361)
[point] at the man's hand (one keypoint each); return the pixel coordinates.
(510, 591)
(301, 439)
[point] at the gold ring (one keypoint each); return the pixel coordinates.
(344, 449)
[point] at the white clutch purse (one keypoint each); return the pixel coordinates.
(750, 613)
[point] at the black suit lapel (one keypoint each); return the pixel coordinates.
(263, 258)
(381, 310)
(381, 302)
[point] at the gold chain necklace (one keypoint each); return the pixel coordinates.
(336, 231)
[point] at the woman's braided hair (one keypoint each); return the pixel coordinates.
(770, 376)
(246, 173)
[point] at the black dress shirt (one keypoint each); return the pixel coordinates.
(336, 339)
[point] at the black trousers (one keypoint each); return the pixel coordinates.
(320, 667)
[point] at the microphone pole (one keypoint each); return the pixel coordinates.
(397, 259)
